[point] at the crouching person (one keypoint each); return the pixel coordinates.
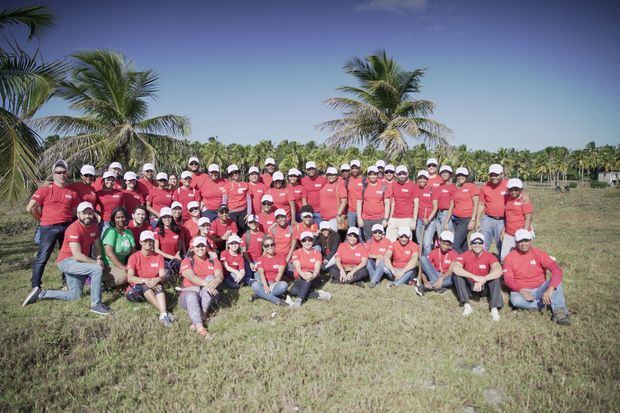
(525, 273)
(146, 273)
(77, 265)
(351, 260)
(201, 277)
(478, 271)
(437, 266)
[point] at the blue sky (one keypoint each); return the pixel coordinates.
(524, 74)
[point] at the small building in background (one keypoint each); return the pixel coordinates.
(610, 178)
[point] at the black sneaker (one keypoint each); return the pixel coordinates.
(100, 309)
(560, 316)
(420, 290)
(32, 297)
(280, 303)
(441, 291)
(360, 284)
(253, 297)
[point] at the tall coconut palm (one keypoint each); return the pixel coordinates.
(383, 111)
(110, 95)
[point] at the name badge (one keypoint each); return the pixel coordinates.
(275, 266)
(154, 265)
(116, 196)
(312, 260)
(502, 193)
(259, 239)
(533, 262)
(357, 254)
(317, 185)
(69, 196)
(287, 235)
(408, 252)
(518, 203)
(482, 266)
(465, 190)
(426, 195)
(175, 237)
(93, 234)
(379, 192)
(73, 236)
(445, 191)
(168, 196)
(447, 261)
(404, 190)
(240, 190)
(330, 190)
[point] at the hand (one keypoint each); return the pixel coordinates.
(398, 274)
(100, 262)
(426, 221)
(471, 225)
(253, 266)
(413, 226)
(501, 237)
(478, 226)
(384, 223)
(339, 219)
(226, 235)
(212, 287)
(438, 284)
(477, 287)
(527, 295)
(177, 256)
(428, 285)
(266, 288)
(237, 276)
(360, 222)
(151, 282)
(546, 298)
(213, 255)
(445, 225)
(343, 275)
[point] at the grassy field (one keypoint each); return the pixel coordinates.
(366, 350)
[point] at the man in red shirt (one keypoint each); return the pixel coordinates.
(238, 197)
(333, 199)
(312, 183)
(518, 214)
(377, 248)
(401, 210)
(373, 203)
(84, 188)
(74, 260)
(491, 206)
(222, 227)
(437, 266)
(388, 176)
(147, 182)
(213, 192)
(198, 178)
(478, 271)
(53, 207)
(434, 180)
(266, 216)
(401, 258)
(270, 168)
(424, 209)
(525, 273)
(355, 184)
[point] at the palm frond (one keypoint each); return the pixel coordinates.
(66, 125)
(167, 124)
(37, 18)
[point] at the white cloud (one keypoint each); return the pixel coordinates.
(393, 5)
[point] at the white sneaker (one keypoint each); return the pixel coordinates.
(467, 310)
(324, 295)
(296, 303)
(494, 314)
(289, 301)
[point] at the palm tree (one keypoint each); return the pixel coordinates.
(382, 111)
(110, 95)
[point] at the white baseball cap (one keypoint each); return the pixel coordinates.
(306, 214)
(294, 171)
(253, 170)
(234, 238)
(354, 230)
(144, 235)
(306, 234)
(199, 240)
(401, 168)
(129, 176)
(389, 167)
(446, 236)
(515, 183)
(310, 164)
(356, 162)
(496, 169)
(213, 168)
(372, 168)
(345, 167)
(277, 176)
(165, 211)
(404, 231)
(252, 218)
(84, 205)
(279, 212)
(475, 236)
(109, 174)
(87, 170)
(462, 171)
(424, 174)
(203, 220)
(148, 167)
(161, 175)
(267, 198)
(232, 168)
(378, 227)
(380, 163)
(446, 168)
(60, 162)
(186, 174)
(331, 171)
(324, 225)
(432, 161)
(115, 165)
(193, 159)
(522, 234)
(270, 161)
(192, 204)
(176, 204)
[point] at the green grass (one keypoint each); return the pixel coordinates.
(366, 350)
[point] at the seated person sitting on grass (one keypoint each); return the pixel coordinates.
(327, 242)
(270, 269)
(234, 266)
(525, 273)
(351, 260)
(118, 244)
(437, 266)
(307, 263)
(478, 271)
(401, 258)
(377, 247)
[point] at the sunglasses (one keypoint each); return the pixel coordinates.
(493, 175)
(187, 178)
(60, 172)
(194, 163)
(162, 180)
(433, 165)
(402, 173)
(477, 243)
(403, 236)
(268, 203)
(85, 175)
(307, 239)
(389, 172)
(352, 235)
(223, 212)
(200, 246)
(269, 245)
(377, 232)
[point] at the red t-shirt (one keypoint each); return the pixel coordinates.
(529, 270)
(378, 248)
(271, 266)
(237, 193)
(57, 204)
(254, 247)
(198, 179)
(373, 202)
(144, 186)
(202, 268)
(434, 182)
(296, 193)
(301, 227)
(192, 227)
(403, 195)
(136, 231)
(515, 214)
(169, 242)
(354, 190)
(233, 261)
(185, 196)
(159, 198)
(281, 199)
(283, 237)
(464, 200)
(86, 192)
(351, 256)
(132, 199)
(444, 194)
(494, 198)
(442, 261)
(401, 254)
(145, 266)
(313, 188)
(425, 197)
(266, 179)
(477, 265)
(257, 191)
(329, 199)
(77, 232)
(218, 228)
(108, 201)
(213, 192)
(266, 220)
(307, 259)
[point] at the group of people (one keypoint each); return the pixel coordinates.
(272, 230)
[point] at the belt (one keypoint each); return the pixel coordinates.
(496, 218)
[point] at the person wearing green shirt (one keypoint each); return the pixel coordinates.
(118, 244)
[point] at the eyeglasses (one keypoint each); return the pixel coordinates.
(268, 203)
(477, 243)
(60, 172)
(162, 180)
(269, 245)
(223, 212)
(433, 165)
(187, 178)
(403, 236)
(307, 239)
(85, 175)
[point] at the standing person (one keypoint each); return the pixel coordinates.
(270, 168)
(108, 199)
(372, 203)
(256, 189)
(355, 186)
(192, 223)
(138, 223)
(238, 196)
(115, 169)
(282, 199)
(169, 242)
(271, 269)
(131, 197)
(266, 217)
(425, 211)
(296, 193)
(74, 260)
(402, 207)
(223, 227)
(434, 179)
(251, 244)
(118, 244)
(463, 209)
(327, 242)
(52, 206)
(213, 193)
(438, 265)
(307, 264)
(525, 274)
(478, 271)
(401, 258)
(351, 260)
(187, 193)
(380, 164)
(493, 198)
(146, 274)
(444, 193)
(201, 277)
(377, 248)
(84, 188)
(198, 177)
(518, 213)
(282, 234)
(333, 200)
(159, 197)
(177, 217)
(147, 181)
(389, 175)
(235, 275)
(313, 183)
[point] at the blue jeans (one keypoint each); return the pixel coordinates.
(492, 230)
(427, 242)
(352, 218)
(557, 298)
(460, 233)
(279, 288)
(49, 235)
(402, 280)
(432, 274)
(316, 217)
(440, 220)
(209, 214)
(376, 271)
(77, 273)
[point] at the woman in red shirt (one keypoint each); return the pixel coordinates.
(281, 197)
(256, 189)
(108, 199)
(296, 193)
(234, 264)
(201, 277)
(377, 248)
(213, 193)
(131, 197)
(518, 215)
(463, 209)
(187, 193)
(444, 193)
(307, 264)
(270, 269)
(169, 242)
(251, 244)
(351, 260)
(306, 224)
(158, 197)
(283, 234)
(238, 196)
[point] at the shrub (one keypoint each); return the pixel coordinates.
(572, 185)
(598, 184)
